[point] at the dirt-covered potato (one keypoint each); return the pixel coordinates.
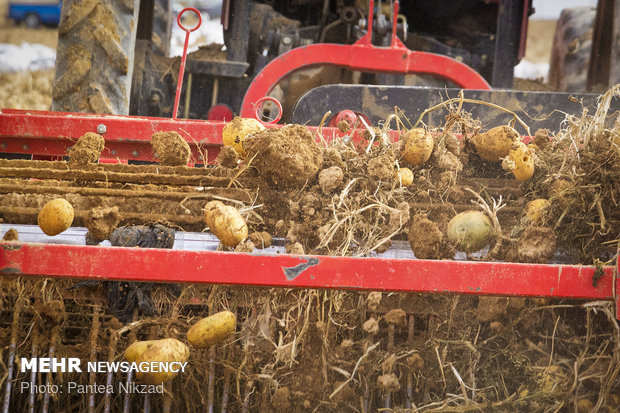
(212, 330)
(520, 161)
(404, 176)
(470, 231)
(417, 146)
(55, 216)
(226, 223)
(495, 144)
(164, 350)
(236, 131)
(536, 210)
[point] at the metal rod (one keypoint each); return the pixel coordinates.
(94, 333)
(55, 337)
(33, 373)
(215, 92)
(6, 402)
(409, 374)
(211, 382)
(110, 375)
(188, 94)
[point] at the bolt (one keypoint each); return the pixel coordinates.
(25, 147)
(101, 128)
(286, 40)
(113, 152)
(135, 153)
(3, 145)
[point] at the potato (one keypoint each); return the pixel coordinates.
(495, 144)
(536, 210)
(136, 349)
(55, 216)
(236, 131)
(404, 176)
(226, 223)
(165, 350)
(520, 161)
(470, 231)
(417, 146)
(212, 330)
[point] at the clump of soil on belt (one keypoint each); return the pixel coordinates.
(260, 239)
(11, 235)
(536, 244)
(425, 238)
(87, 150)
(228, 157)
(381, 167)
(170, 148)
(330, 179)
(102, 221)
(285, 157)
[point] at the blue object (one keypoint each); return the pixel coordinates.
(33, 14)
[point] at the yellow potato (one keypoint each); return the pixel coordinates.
(237, 130)
(520, 161)
(495, 144)
(226, 223)
(212, 330)
(166, 350)
(136, 349)
(404, 176)
(55, 216)
(470, 231)
(536, 210)
(417, 146)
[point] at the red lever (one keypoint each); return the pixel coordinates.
(177, 97)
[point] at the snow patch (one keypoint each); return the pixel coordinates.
(27, 56)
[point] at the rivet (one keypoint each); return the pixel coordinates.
(3, 145)
(286, 40)
(25, 147)
(135, 153)
(101, 128)
(113, 152)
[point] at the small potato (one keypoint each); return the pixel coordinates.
(212, 330)
(417, 146)
(495, 144)
(55, 216)
(236, 131)
(404, 176)
(165, 350)
(536, 210)
(226, 223)
(470, 231)
(520, 161)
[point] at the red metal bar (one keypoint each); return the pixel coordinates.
(187, 30)
(422, 276)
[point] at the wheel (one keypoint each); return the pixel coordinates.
(32, 21)
(96, 41)
(570, 54)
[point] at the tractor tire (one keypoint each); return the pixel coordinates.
(32, 21)
(570, 53)
(94, 64)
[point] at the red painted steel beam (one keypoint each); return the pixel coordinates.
(421, 276)
(361, 56)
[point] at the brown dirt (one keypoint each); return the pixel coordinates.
(260, 239)
(11, 235)
(536, 244)
(87, 150)
(102, 221)
(228, 157)
(330, 179)
(425, 239)
(381, 167)
(170, 148)
(285, 157)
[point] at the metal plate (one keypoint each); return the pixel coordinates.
(536, 109)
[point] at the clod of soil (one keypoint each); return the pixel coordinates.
(260, 239)
(331, 157)
(247, 246)
(541, 139)
(228, 157)
(388, 383)
(381, 167)
(425, 238)
(415, 362)
(11, 235)
(170, 148)
(396, 317)
(295, 249)
(373, 300)
(87, 149)
(492, 308)
(330, 179)
(536, 244)
(101, 222)
(285, 157)
(280, 400)
(371, 326)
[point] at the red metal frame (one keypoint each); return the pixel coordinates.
(420, 276)
(362, 56)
